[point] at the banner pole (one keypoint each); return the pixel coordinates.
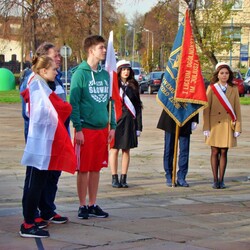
(177, 131)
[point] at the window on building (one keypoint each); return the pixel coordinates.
(203, 4)
(232, 32)
(237, 4)
(13, 57)
(205, 32)
(15, 29)
(2, 58)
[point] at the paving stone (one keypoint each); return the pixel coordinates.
(148, 215)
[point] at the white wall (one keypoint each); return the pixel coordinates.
(8, 48)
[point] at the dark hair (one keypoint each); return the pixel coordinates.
(131, 73)
(44, 48)
(92, 40)
(41, 62)
(215, 78)
(131, 79)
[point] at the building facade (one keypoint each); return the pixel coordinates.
(10, 44)
(237, 27)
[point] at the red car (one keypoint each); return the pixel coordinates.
(239, 82)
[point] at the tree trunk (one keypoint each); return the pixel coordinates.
(209, 54)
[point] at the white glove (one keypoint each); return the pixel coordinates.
(236, 134)
(194, 125)
(138, 133)
(206, 133)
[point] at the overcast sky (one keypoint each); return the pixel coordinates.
(130, 7)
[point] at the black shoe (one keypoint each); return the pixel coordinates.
(96, 211)
(58, 219)
(83, 212)
(41, 223)
(222, 185)
(182, 183)
(216, 185)
(115, 181)
(123, 181)
(169, 183)
(33, 232)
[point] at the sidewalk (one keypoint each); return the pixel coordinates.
(147, 215)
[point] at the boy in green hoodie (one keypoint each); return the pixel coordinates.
(89, 97)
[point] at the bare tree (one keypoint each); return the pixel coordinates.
(59, 21)
(162, 24)
(207, 21)
(33, 11)
(207, 18)
(77, 19)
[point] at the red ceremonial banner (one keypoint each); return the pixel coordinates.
(190, 85)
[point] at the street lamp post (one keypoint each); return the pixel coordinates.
(231, 37)
(149, 31)
(133, 57)
(22, 38)
(133, 50)
(100, 18)
(147, 49)
(125, 45)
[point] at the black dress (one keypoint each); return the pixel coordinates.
(127, 125)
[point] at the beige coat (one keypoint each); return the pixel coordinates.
(217, 120)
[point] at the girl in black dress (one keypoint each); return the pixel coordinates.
(129, 126)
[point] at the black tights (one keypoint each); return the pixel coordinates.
(218, 162)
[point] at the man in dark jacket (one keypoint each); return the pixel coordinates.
(167, 124)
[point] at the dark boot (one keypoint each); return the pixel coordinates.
(115, 181)
(123, 181)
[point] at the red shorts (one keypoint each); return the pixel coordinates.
(94, 150)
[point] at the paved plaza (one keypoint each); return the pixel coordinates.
(148, 215)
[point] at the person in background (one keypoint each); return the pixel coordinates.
(47, 207)
(89, 97)
(129, 125)
(22, 86)
(221, 120)
(45, 71)
(167, 124)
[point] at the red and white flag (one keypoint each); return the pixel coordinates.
(48, 146)
(110, 66)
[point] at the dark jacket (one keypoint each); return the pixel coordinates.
(167, 124)
(136, 101)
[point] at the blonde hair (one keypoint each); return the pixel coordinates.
(41, 62)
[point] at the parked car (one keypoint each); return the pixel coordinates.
(152, 82)
(247, 85)
(247, 74)
(247, 82)
(143, 85)
(139, 74)
(239, 82)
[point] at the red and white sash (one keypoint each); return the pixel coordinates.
(128, 103)
(223, 100)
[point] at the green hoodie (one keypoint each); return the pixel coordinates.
(89, 97)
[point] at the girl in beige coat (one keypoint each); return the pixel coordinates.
(222, 122)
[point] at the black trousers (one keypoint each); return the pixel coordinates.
(33, 188)
(47, 205)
